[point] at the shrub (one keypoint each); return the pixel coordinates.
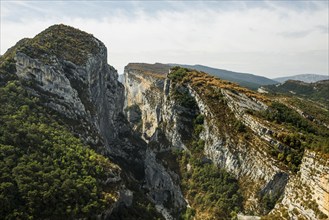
(177, 73)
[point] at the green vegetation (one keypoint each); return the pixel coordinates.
(244, 79)
(268, 202)
(239, 126)
(183, 98)
(312, 110)
(303, 134)
(64, 42)
(8, 63)
(140, 209)
(212, 192)
(45, 170)
(317, 91)
(280, 113)
(61, 41)
(177, 73)
(157, 70)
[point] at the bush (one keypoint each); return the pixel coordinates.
(239, 126)
(199, 119)
(177, 73)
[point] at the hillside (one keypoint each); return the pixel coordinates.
(317, 91)
(308, 78)
(244, 79)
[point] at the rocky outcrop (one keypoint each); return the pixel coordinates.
(174, 125)
(164, 191)
(144, 91)
(88, 92)
(51, 79)
(307, 193)
(242, 159)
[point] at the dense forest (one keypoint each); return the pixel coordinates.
(45, 170)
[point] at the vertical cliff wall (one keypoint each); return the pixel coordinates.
(143, 92)
(144, 108)
(307, 193)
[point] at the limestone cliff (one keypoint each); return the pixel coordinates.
(307, 193)
(143, 91)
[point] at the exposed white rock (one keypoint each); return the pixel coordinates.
(169, 118)
(51, 79)
(307, 193)
(89, 95)
(247, 217)
(241, 159)
(146, 92)
(145, 96)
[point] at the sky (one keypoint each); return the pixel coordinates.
(268, 38)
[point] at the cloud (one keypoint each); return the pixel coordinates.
(266, 39)
(296, 34)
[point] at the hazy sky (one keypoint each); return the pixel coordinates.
(269, 38)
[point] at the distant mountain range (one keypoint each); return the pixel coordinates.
(309, 78)
(244, 79)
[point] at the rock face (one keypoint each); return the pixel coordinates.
(307, 194)
(80, 90)
(143, 99)
(144, 109)
(89, 93)
(51, 79)
(238, 158)
(242, 159)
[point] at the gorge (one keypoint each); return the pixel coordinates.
(168, 143)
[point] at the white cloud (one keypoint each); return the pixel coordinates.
(269, 41)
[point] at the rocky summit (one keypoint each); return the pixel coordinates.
(166, 143)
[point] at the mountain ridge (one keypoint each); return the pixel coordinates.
(309, 78)
(244, 79)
